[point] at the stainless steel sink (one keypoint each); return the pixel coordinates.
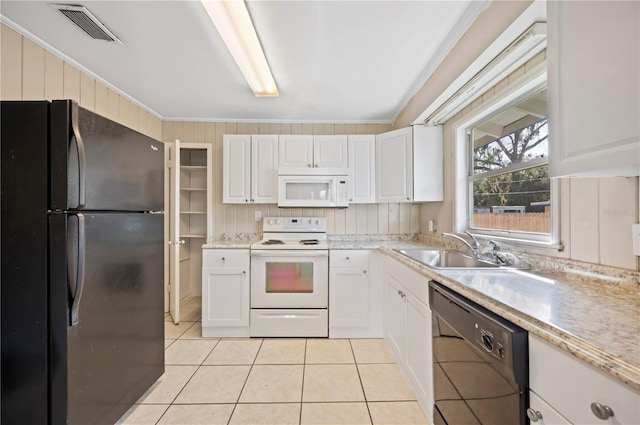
(443, 259)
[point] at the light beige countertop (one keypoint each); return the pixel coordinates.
(230, 244)
(394, 244)
(594, 321)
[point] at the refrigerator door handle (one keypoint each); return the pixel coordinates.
(79, 283)
(82, 162)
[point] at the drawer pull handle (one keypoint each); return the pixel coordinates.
(347, 259)
(534, 415)
(364, 271)
(601, 411)
(223, 259)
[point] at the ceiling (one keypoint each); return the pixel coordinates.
(333, 61)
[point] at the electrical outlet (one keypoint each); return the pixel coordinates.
(432, 225)
(257, 215)
(635, 229)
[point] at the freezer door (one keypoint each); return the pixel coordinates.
(98, 164)
(115, 320)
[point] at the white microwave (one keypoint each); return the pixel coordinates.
(313, 187)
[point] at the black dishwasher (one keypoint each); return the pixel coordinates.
(480, 363)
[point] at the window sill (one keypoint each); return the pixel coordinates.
(558, 246)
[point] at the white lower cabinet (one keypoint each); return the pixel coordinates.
(225, 292)
(395, 329)
(542, 414)
(408, 328)
(354, 296)
(419, 363)
(570, 388)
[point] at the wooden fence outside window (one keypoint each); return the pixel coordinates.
(525, 222)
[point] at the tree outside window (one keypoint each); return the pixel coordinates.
(510, 173)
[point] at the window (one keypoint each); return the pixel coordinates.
(510, 193)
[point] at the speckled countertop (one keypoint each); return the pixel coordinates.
(596, 322)
(228, 245)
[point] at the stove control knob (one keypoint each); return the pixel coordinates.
(270, 221)
(278, 221)
(317, 222)
(310, 221)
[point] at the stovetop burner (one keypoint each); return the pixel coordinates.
(273, 242)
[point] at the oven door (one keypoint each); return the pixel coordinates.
(289, 279)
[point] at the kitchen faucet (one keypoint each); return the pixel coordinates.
(496, 253)
(474, 246)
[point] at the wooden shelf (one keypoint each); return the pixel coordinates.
(193, 236)
(194, 189)
(193, 167)
(193, 212)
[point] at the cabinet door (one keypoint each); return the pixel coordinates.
(348, 298)
(173, 286)
(547, 415)
(295, 151)
(264, 169)
(593, 88)
(330, 151)
(419, 350)
(394, 172)
(225, 296)
(571, 385)
(396, 317)
(236, 169)
(362, 163)
(428, 163)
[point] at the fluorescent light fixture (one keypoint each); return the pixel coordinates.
(526, 46)
(233, 22)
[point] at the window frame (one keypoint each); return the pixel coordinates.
(464, 170)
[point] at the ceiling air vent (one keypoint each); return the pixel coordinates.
(87, 22)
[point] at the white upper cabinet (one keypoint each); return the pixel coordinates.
(362, 163)
(295, 151)
(236, 168)
(594, 80)
(409, 165)
(250, 173)
(394, 181)
(313, 151)
(330, 151)
(264, 169)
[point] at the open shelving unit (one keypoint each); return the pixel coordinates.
(191, 218)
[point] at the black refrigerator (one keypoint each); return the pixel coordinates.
(82, 290)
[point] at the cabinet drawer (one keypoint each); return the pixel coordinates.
(225, 258)
(349, 258)
(570, 386)
(547, 414)
(413, 281)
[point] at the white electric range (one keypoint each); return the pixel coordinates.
(290, 279)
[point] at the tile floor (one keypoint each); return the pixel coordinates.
(273, 381)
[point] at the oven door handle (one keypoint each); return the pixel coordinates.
(279, 253)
